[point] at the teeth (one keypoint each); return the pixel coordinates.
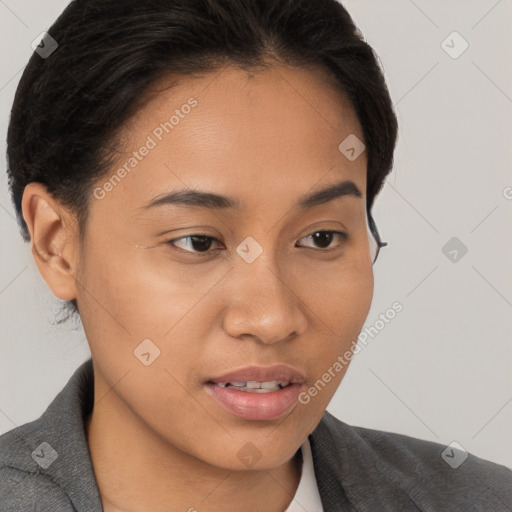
(268, 385)
(251, 384)
(256, 387)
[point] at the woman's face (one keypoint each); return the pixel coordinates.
(261, 279)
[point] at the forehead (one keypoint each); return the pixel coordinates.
(258, 135)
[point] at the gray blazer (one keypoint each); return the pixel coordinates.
(45, 466)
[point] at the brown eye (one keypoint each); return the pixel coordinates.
(323, 239)
(194, 243)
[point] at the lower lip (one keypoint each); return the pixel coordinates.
(256, 406)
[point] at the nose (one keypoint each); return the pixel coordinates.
(263, 302)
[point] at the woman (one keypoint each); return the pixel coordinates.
(196, 178)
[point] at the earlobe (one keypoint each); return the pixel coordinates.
(53, 240)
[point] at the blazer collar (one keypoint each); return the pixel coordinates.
(62, 426)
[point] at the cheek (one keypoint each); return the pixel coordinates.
(123, 301)
(129, 308)
(340, 303)
(131, 299)
(340, 295)
(123, 288)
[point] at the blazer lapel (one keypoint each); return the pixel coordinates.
(350, 475)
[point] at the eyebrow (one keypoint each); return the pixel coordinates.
(194, 198)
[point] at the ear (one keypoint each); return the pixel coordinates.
(54, 239)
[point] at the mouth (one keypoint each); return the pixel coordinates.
(252, 386)
(257, 393)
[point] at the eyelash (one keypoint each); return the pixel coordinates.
(341, 234)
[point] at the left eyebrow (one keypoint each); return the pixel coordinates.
(325, 195)
(200, 199)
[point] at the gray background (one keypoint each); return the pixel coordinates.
(440, 370)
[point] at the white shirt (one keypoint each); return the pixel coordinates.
(307, 497)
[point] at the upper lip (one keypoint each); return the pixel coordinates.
(262, 374)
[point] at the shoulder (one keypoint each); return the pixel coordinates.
(22, 484)
(45, 465)
(431, 474)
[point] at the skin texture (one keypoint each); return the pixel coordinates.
(158, 440)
